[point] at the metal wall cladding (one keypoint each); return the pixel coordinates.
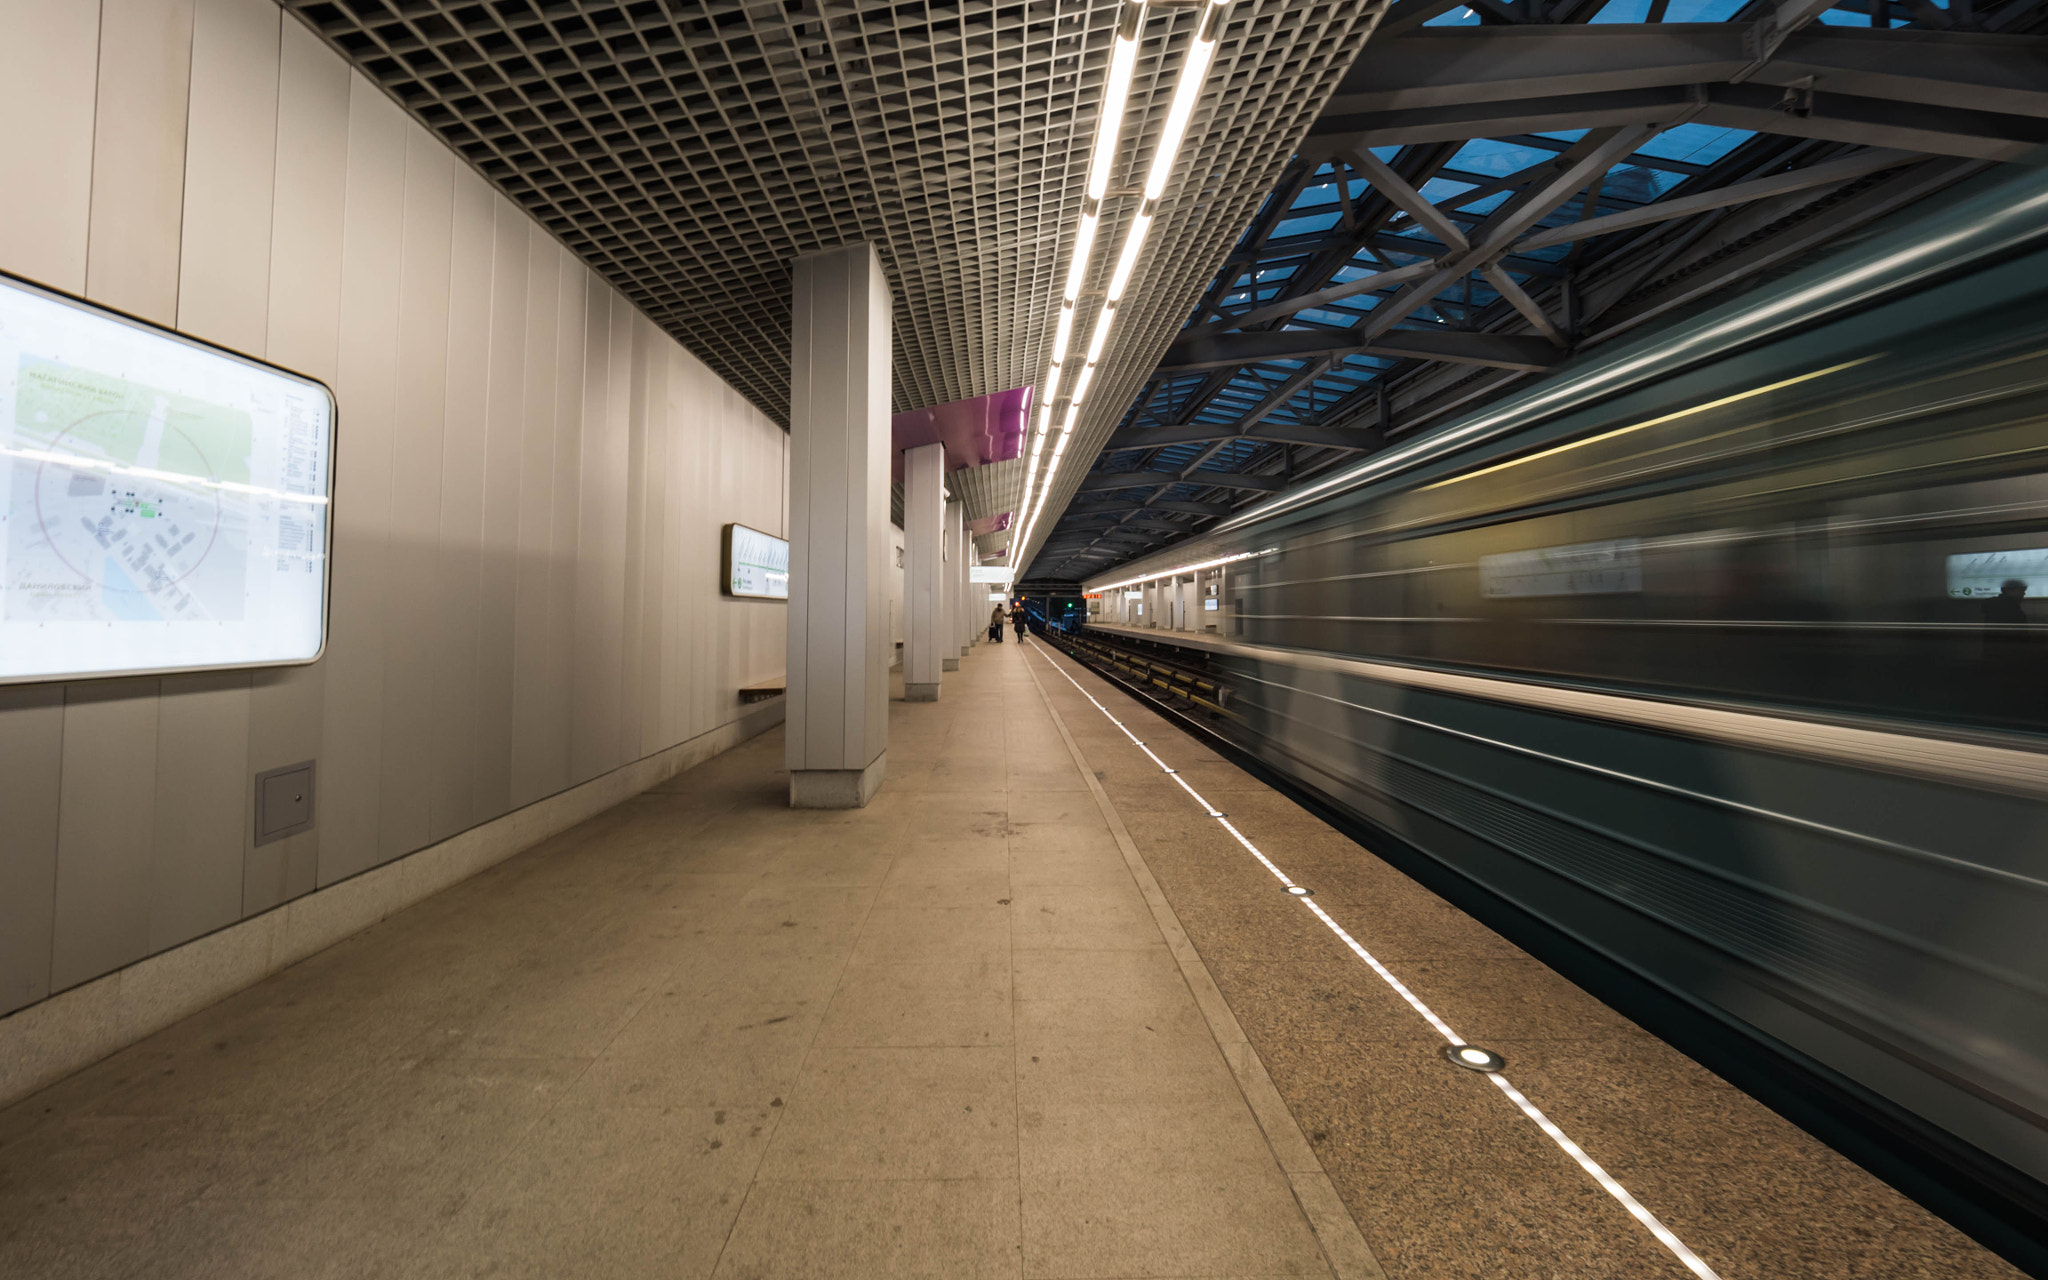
(531, 478)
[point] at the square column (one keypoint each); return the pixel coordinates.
(950, 647)
(924, 572)
(837, 733)
(972, 611)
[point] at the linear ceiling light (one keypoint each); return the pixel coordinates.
(1187, 91)
(1176, 572)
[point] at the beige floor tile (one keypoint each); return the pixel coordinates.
(907, 1230)
(214, 1237)
(899, 1113)
(941, 881)
(743, 1065)
(1092, 867)
(1096, 917)
(610, 1194)
(1074, 1137)
(952, 858)
(1147, 974)
(1165, 1224)
(914, 1005)
(1082, 834)
(924, 935)
(1115, 1052)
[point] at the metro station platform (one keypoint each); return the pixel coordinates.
(1036, 1011)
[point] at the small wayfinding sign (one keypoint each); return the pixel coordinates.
(755, 564)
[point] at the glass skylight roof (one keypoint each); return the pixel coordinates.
(1325, 228)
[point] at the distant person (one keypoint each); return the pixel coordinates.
(1017, 619)
(995, 625)
(2005, 606)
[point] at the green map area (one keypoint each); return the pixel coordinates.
(101, 416)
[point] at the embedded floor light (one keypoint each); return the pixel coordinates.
(1474, 1058)
(1301, 891)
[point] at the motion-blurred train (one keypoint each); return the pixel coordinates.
(1714, 668)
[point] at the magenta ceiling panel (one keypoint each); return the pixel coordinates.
(975, 432)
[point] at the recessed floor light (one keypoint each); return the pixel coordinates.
(1473, 1058)
(1301, 891)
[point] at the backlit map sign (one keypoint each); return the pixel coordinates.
(756, 564)
(1983, 574)
(164, 504)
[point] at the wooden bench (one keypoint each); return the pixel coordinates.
(762, 690)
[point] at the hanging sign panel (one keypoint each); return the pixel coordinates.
(164, 504)
(756, 564)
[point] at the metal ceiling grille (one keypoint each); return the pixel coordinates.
(688, 150)
(1494, 187)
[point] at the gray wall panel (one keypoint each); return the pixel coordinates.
(640, 399)
(572, 297)
(202, 786)
(504, 439)
(48, 74)
(586, 659)
(530, 747)
(31, 765)
(459, 557)
(138, 157)
(366, 382)
(230, 175)
(105, 829)
(406, 784)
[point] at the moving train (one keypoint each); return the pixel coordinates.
(1714, 669)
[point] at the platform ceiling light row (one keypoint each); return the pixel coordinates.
(1194, 69)
(1183, 569)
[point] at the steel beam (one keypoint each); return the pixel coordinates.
(1100, 481)
(1501, 350)
(1818, 175)
(1322, 297)
(1267, 433)
(1460, 66)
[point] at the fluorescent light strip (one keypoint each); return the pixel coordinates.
(1127, 261)
(178, 478)
(1194, 70)
(1186, 568)
(1084, 244)
(1664, 1234)
(1185, 94)
(1100, 337)
(1081, 387)
(1121, 63)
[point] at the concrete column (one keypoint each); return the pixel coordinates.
(963, 622)
(924, 571)
(950, 648)
(837, 735)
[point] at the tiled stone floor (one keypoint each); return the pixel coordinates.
(1445, 1178)
(703, 1034)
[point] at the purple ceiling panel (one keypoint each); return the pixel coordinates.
(975, 432)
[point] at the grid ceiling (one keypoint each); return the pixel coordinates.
(1352, 312)
(688, 150)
